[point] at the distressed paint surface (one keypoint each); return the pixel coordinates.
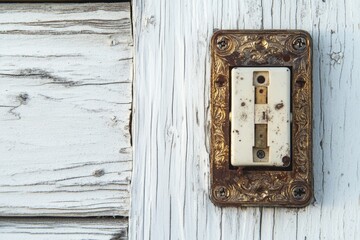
(65, 105)
(63, 229)
(170, 187)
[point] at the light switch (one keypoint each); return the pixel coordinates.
(260, 110)
(261, 118)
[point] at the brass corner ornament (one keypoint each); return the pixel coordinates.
(290, 186)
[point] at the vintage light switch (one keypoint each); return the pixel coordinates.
(260, 110)
(261, 93)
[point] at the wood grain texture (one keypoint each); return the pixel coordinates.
(63, 229)
(65, 105)
(170, 188)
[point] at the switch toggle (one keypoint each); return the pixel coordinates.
(260, 110)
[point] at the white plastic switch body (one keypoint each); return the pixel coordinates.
(260, 116)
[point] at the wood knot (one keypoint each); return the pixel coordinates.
(99, 173)
(23, 98)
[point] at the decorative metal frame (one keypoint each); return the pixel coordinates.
(259, 186)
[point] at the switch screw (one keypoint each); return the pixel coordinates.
(221, 193)
(299, 192)
(299, 43)
(260, 154)
(222, 43)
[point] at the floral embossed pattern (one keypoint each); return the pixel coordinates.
(231, 186)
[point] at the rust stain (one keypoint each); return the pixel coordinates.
(243, 116)
(279, 106)
(286, 161)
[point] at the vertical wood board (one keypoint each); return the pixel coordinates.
(170, 186)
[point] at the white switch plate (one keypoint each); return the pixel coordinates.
(245, 114)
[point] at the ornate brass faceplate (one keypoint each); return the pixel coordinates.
(262, 186)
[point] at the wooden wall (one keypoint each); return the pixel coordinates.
(65, 108)
(66, 100)
(170, 187)
(63, 229)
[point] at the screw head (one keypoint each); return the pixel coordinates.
(260, 154)
(222, 43)
(221, 193)
(299, 192)
(299, 43)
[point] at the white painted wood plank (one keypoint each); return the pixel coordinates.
(63, 229)
(170, 191)
(65, 105)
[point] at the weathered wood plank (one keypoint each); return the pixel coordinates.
(65, 105)
(170, 196)
(63, 229)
